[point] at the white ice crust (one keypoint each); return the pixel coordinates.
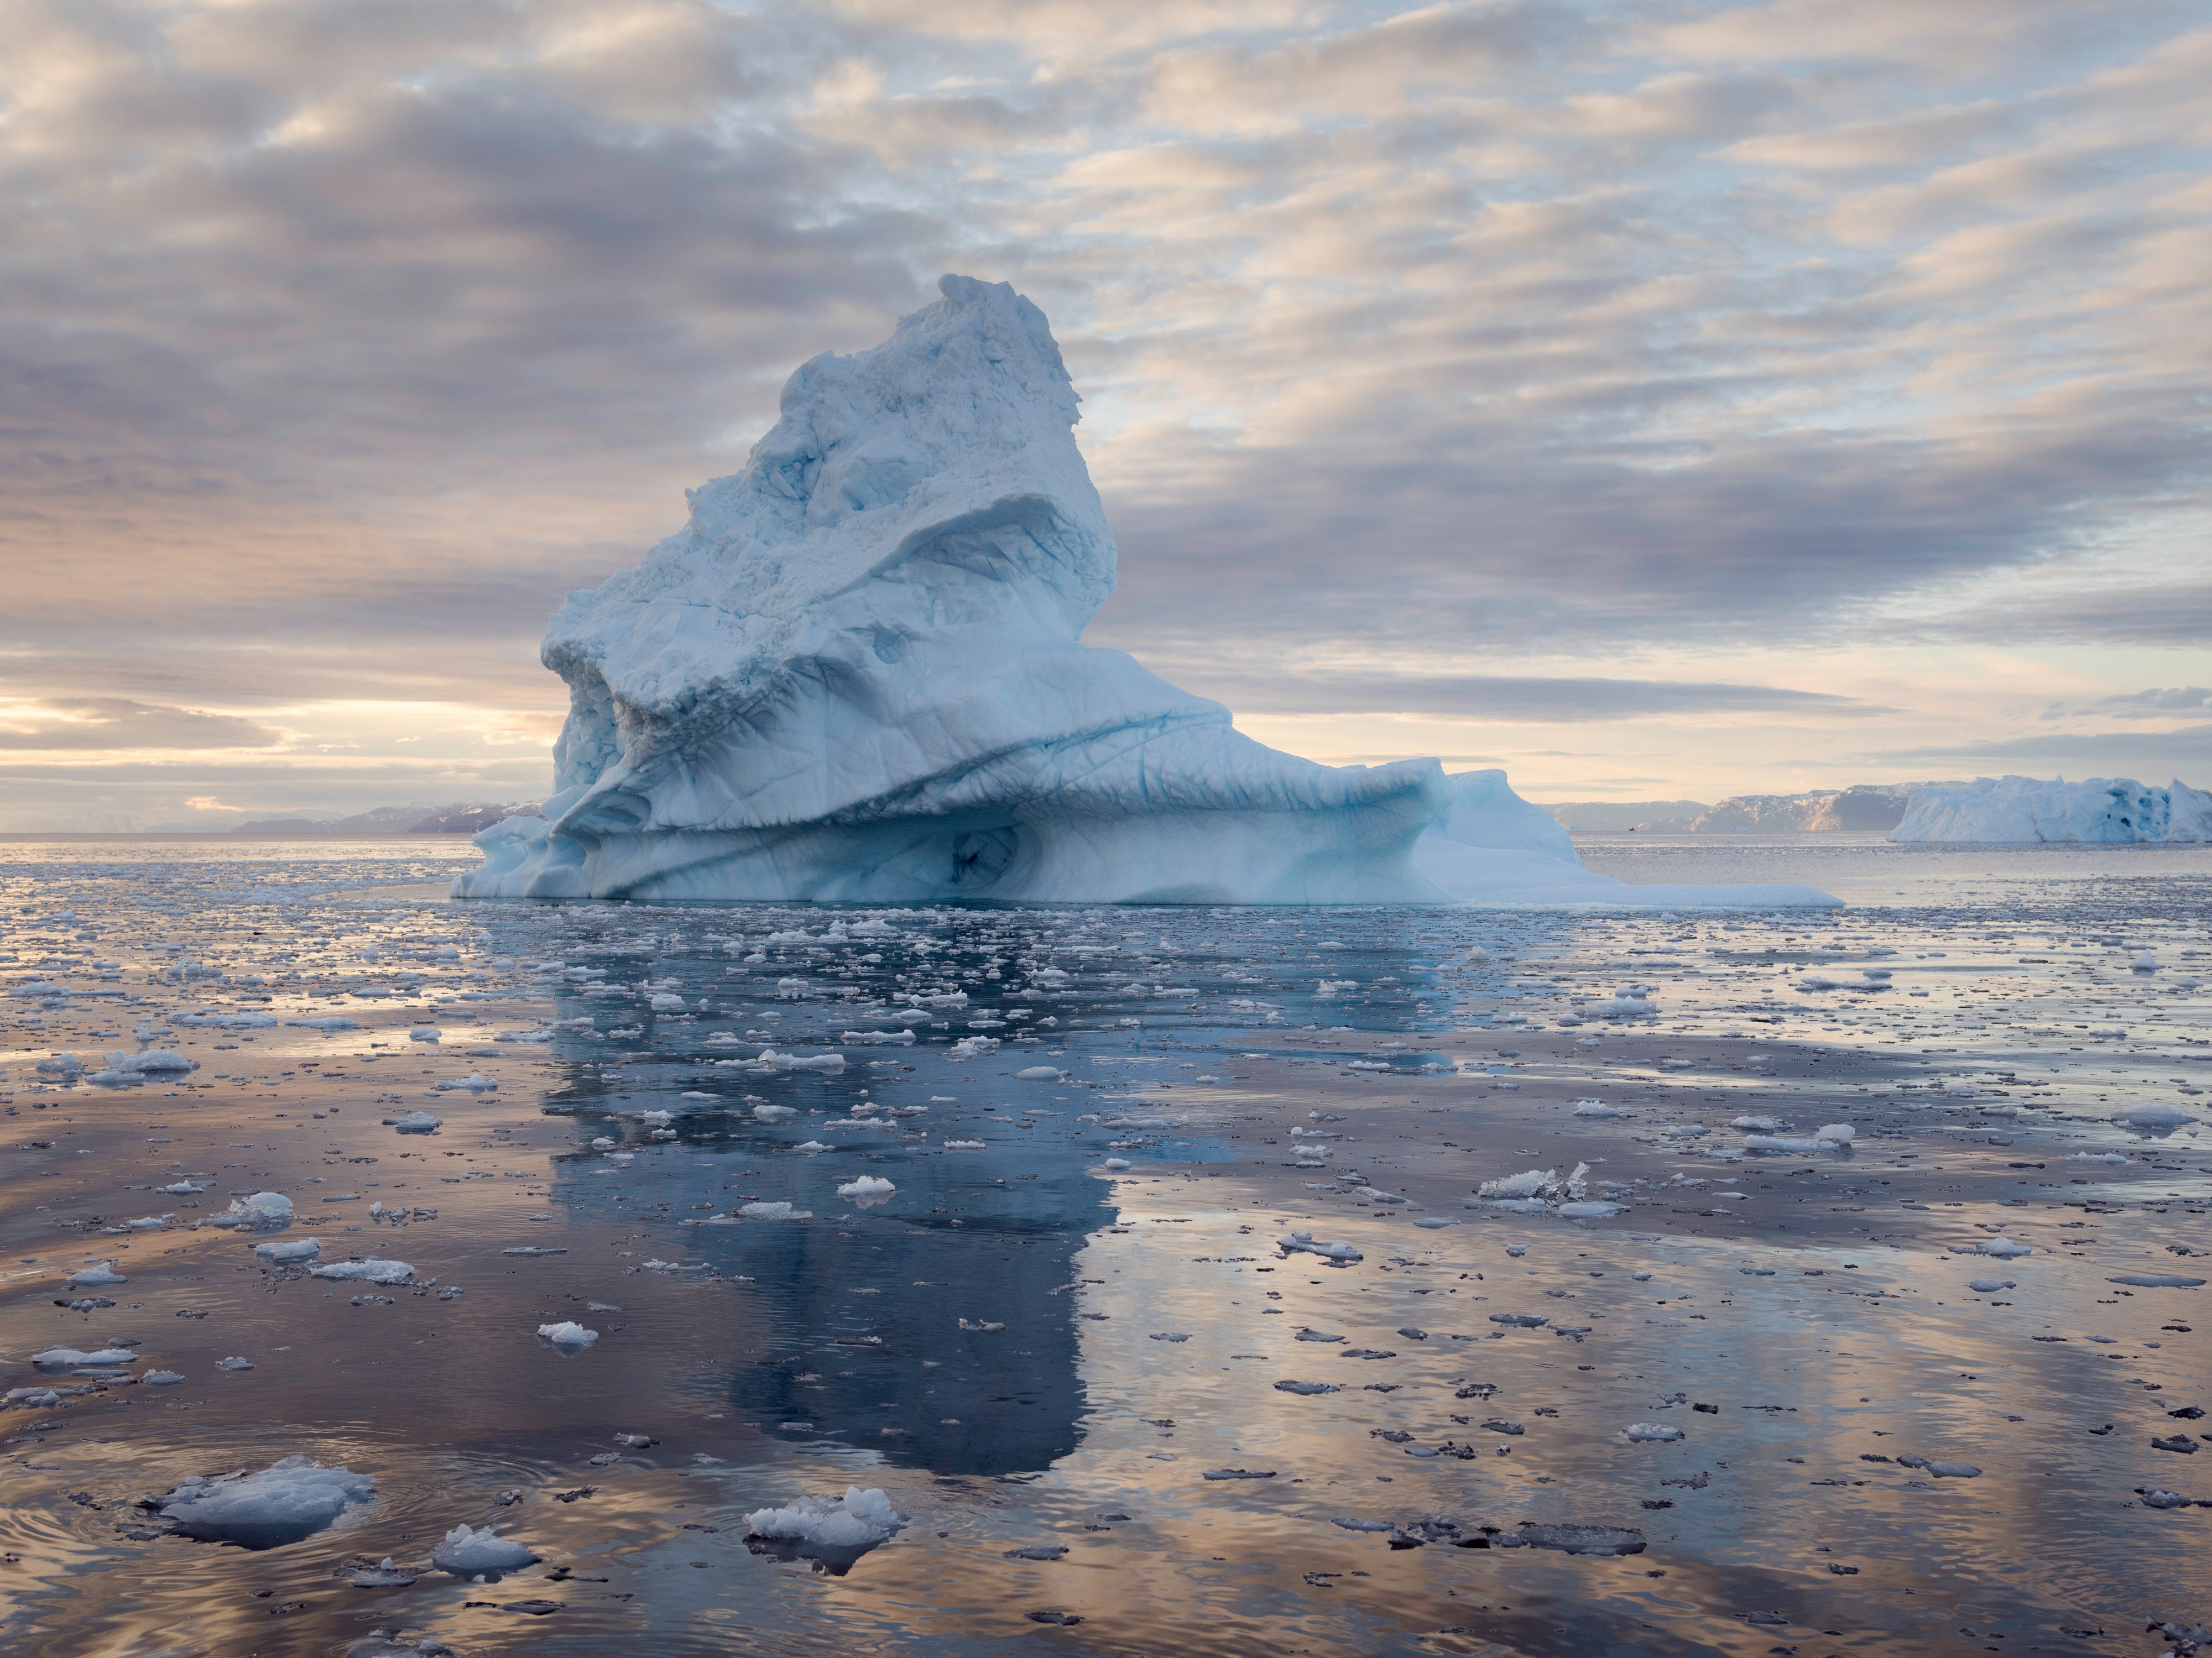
(857, 675)
(2102, 810)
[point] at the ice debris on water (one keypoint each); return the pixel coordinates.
(2155, 1114)
(415, 1122)
(381, 1576)
(1642, 1433)
(2002, 1248)
(261, 1212)
(467, 1551)
(568, 1333)
(96, 1275)
(287, 1501)
(282, 1251)
(779, 1210)
(868, 1185)
(62, 1358)
(371, 1271)
(853, 1523)
(1302, 1243)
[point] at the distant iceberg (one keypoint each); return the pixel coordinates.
(2104, 811)
(856, 675)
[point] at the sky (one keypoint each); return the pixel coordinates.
(1659, 400)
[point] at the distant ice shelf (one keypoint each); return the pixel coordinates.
(857, 675)
(2098, 810)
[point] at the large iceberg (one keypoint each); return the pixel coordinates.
(2116, 810)
(857, 675)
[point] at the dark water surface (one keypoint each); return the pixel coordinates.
(1047, 1342)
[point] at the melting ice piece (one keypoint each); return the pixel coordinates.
(779, 1210)
(280, 1251)
(2156, 1114)
(467, 1551)
(569, 1334)
(261, 1212)
(415, 1122)
(289, 1500)
(98, 1273)
(365, 1272)
(2002, 1248)
(835, 1530)
(1298, 1242)
(68, 1358)
(1652, 1433)
(857, 675)
(868, 1185)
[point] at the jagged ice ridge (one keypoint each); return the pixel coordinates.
(857, 675)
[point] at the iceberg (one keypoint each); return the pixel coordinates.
(2099, 810)
(857, 675)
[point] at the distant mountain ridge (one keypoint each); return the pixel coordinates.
(418, 818)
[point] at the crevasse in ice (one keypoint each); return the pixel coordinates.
(857, 674)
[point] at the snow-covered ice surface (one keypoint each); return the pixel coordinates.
(2104, 810)
(857, 675)
(1048, 1339)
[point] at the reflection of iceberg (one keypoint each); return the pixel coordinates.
(2102, 810)
(856, 675)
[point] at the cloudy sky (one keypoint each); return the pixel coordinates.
(1659, 400)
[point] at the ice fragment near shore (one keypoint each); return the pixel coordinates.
(467, 1551)
(1302, 1243)
(287, 1501)
(856, 675)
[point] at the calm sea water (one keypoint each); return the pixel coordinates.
(1072, 1306)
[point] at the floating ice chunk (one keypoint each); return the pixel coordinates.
(568, 1333)
(474, 1083)
(774, 1113)
(424, 1033)
(2157, 1281)
(1588, 1209)
(1307, 1388)
(263, 1211)
(970, 1145)
(2155, 1114)
(99, 1274)
(877, 1038)
(2002, 1248)
(1116, 1163)
(1836, 1134)
(415, 1122)
(1761, 1125)
(665, 1002)
(858, 1519)
(280, 1251)
(868, 1185)
(1433, 1222)
(2154, 1498)
(812, 1147)
(382, 1575)
(1520, 1320)
(1574, 1540)
(234, 1362)
(327, 1023)
(2098, 1157)
(70, 1359)
(365, 1272)
(466, 1551)
(1038, 1073)
(60, 1064)
(1594, 1109)
(161, 1378)
(1629, 1004)
(1989, 1286)
(1340, 1251)
(779, 1210)
(1534, 1182)
(282, 1503)
(1652, 1433)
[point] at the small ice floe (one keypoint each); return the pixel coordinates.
(1338, 1251)
(471, 1551)
(868, 1185)
(261, 1212)
(1594, 1109)
(667, 1002)
(424, 1033)
(963, 1146)
(1632, 1002)
(1941, 1470)
(2155, 1114)
(1569, 1539)
(161, 1378)
(2157, 1281)
(1652, 1433)
(371, 1271)
(71, 1358)
(1834, 1137)
(877, 1038)
(774, 1113)
(280, 1252)
(987, 1327)
(813, 1147)
(415, 1122)
(1534, 1183)
(183, 1188)
(1589, 1209)
(834, 1531)
(326, 1023)
(1990, 1287)
(2002, 1248)
(568, 1335)
(475, 1083)
(234, 1362)
(1038, 1073)
(286, 1501)
(1520, 1320)
(1116, 1164)
(127, 1070)
(2154, 1498)
(1433, 1222)
(1758, 1125)
(60, 1064)
(771, 1061)
(1238, 1473)
(779, 1210)
(2098, 1157)
(381, 1576)
(96, 1275)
